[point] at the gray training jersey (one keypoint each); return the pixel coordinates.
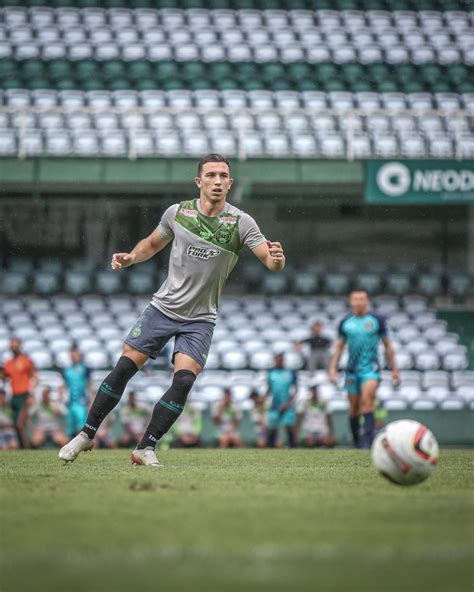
(204, 252)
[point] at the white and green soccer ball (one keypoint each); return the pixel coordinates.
(405, 452)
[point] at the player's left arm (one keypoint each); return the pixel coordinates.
(34, 380)
(271, 255)
(390, 354)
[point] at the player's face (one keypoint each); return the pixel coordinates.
(359, 303)
(75, 356)
(15, 346)
(215, 181)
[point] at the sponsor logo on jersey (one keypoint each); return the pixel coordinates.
(190, 213)
(202, 252)
(228, 220)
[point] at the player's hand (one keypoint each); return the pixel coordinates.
(332, 373)
(276, 251)
(396, 377)
(122, 260)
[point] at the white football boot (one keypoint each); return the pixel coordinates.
(81, 443)
(146, 457)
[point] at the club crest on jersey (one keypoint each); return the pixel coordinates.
(223, 236)
(368, 325)
(202, 252)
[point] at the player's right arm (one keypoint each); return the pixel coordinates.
(144, 250)
(332, 371)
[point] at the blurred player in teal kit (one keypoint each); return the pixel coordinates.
(77, 379)
(282, 388)
(362, 331)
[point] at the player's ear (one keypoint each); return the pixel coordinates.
(197, 180)
(231, 182)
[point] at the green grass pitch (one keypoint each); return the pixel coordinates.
(232, 520)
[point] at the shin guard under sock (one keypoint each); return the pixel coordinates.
(168, 408)
(109, 394)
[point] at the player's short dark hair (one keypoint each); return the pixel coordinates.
(356, 289)
(212, 158)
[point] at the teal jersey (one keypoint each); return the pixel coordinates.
(362, 335)
(280, 384)
(77, 378)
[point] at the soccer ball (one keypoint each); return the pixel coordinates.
(405, 452)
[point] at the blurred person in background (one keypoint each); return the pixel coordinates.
(226, 416)
(21, 373)
(77, 378)
(316, 423)
(134, 416)
(281, 413)
(259, 418)
(318, 348)
(47, 419)
(362, 330)
(187, 429)
(8, 435)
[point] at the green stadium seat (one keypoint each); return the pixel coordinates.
(441, 86)
(32, 68)
(146, 84)
(272, 70)
(192, 70)
(227, 84)
(94, 84)
(87, 70)
(8, 68)
(385, 86)
(139, 70)
(253, 84)
(12, 82)
(66, 84)
(58, 69)
(118, 84)
(414, 86)
(38, 83)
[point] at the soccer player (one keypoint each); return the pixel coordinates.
(77, 378)
(207, 235)
(21, 372)
(282, 413)
(361, 331)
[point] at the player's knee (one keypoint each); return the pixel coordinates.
(183, 381)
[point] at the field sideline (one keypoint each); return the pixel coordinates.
(232, 520)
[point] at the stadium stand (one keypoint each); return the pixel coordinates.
(356, 81)
(332, 79)
(248, 333)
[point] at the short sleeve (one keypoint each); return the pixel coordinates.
(382, 327)
(165, 227)
(250, 233)
(341, 332)
(87, 373)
